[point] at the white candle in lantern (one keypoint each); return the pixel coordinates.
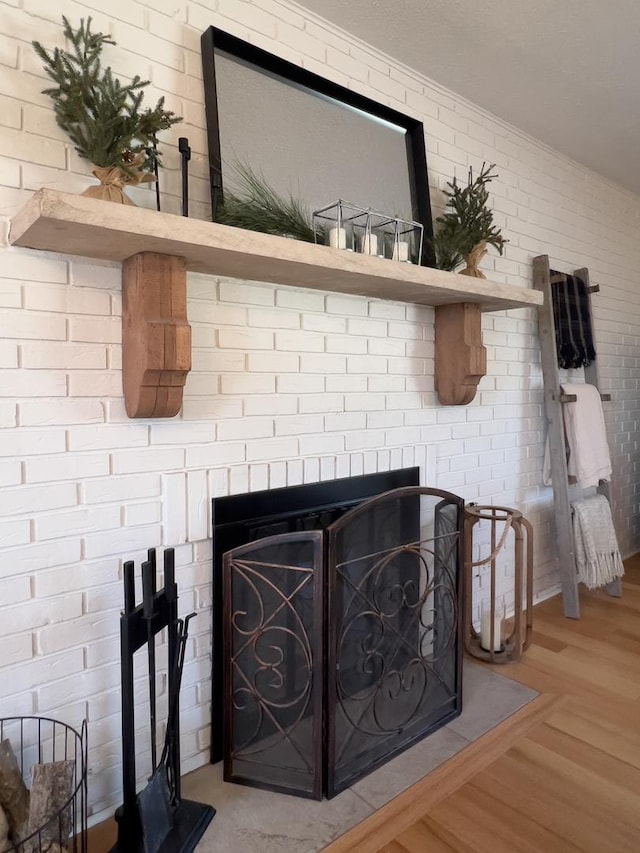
(485, 627)
(400, 251)
(338, 238)
(370, 244)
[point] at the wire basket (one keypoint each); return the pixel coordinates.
(39, 740)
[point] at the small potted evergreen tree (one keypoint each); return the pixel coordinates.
(104, 118)
(466, 227)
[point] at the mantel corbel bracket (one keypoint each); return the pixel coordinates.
(156, 338)
(460, 358)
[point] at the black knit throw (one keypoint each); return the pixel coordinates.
(574, 337)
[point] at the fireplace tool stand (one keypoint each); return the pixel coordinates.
(157, 820)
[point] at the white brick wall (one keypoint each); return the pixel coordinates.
(288, 386)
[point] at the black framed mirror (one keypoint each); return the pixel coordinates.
(308, 136)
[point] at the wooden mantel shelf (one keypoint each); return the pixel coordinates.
(75, 225)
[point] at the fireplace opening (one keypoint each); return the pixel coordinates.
(341, 641)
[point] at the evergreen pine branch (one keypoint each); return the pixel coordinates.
(258, 207)
(466, 221)
(103, 118)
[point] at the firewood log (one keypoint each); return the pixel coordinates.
(14, 796)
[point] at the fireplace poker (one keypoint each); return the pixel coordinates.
(171, 733)
(185, 155)
(159, 799)
(148, 591)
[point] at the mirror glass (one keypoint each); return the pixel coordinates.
(307, 144)
(309, 137)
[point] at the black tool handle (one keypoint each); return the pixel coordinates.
(129, 587)
(148, 584)
(151, 557)
(170, 587)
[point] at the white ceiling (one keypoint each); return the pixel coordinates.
(565, 71)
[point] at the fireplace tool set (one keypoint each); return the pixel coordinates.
(157, 820)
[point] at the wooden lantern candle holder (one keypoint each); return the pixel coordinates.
(488, 643)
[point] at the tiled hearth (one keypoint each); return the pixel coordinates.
(250, 820)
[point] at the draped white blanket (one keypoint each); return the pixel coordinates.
(586, 436)
(598, 560)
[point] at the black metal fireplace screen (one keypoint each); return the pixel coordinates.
(342, 646)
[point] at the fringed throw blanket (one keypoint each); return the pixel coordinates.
(574, 337)
(598, 560)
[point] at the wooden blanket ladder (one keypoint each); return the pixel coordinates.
(554, 400)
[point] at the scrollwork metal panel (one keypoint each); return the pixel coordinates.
(273, 627)
(394, 639)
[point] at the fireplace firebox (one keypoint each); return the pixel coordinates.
(342, 643)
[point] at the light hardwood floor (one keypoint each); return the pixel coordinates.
(561, 775)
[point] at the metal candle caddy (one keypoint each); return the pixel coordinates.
(343, 225)
(512, 646)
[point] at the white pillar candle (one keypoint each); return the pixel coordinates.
(400, 251)
(338, 238)
(485, 629)
(370, 244)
